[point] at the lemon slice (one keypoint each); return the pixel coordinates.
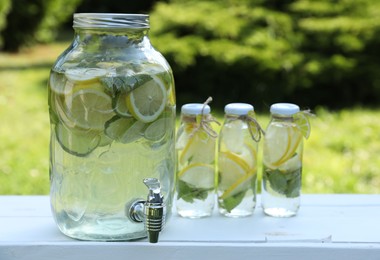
(248, 155)
(231, 168)
(59, 84)
(200, 147)
(303, 124)
(295, 138)
(148, 100)
(280, 144)
(199, 175)
(292, 164)
(57, 104)
(241, 184)
(89, 108)
(85, 75)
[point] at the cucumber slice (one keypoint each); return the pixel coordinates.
(157, 129)
(76, 141)
(119, 104)
(124, 130)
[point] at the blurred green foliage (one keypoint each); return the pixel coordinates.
(31, 21)
(341, 155)
(4, 8)
(116, 6)
(258, 51)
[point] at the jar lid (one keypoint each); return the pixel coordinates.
(286, 109)
(195, 109)
(111, 20)
(238, 108)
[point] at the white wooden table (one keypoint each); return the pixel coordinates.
(327, 227)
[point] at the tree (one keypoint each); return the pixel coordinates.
(261, 52)
(34, 20)
(4, 8)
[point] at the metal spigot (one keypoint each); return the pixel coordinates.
(151, 211)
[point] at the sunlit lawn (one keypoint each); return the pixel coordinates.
(341, 156)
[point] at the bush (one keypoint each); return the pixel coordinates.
(116, 6)
(304, 51)
(4, 8)
(35, 20)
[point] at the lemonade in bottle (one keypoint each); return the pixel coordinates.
(237, 161)
(196, 144)
(112, 117)
(282, 160)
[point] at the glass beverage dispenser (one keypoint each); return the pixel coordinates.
(112, 117)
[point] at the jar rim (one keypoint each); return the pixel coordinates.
(111, 20)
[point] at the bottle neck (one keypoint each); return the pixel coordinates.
(282, 118)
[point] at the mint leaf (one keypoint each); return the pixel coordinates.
(124, 84)
(232, 202)
(276, 179)
(286, 183)
(294, 184)
(189, 193)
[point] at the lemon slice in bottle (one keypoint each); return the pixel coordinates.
(89, 108)
(295, 138)
(248, 155)
(148, 100)
(280, 144)
(231, 168)
(200, 147)
(199, 175)
(241, 184)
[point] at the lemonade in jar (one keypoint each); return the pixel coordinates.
(282, 160)
(112, 116)
(237, 161)
(196, 144)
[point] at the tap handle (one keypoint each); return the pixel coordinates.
(154, 187)
(154, 209)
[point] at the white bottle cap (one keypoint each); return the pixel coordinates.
(286, 109)
(195, 109)
(238, 108)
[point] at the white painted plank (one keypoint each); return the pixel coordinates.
(191, 251)
(327, 227)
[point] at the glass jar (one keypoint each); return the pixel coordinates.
(282, 162)
(237, 161)
(112, 117)
(196, 144)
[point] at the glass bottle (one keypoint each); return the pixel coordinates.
(196, 144)
(112, 116)
(237, 161)
(282, 162)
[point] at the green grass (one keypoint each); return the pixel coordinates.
(341, 156)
